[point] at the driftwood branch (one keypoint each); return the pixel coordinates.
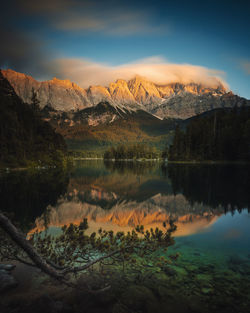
(19, 238)
(21, 260)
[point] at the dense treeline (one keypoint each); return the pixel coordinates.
(213, 185)
(24, 137)
(26, 195)
(221, 135)
(136, 168)
(136, 151)
(85, 154)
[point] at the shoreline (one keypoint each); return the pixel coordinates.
(166, 162)
(208, 162)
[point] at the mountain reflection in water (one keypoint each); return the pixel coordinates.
(119, 196)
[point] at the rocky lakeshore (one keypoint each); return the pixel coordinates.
(196, 282)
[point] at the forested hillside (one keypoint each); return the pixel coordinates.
(24, 137)
(110, 127)
(223, 134)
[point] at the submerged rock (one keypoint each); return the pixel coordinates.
(180, 271)
(7, 281)
(169, 271)
(47, 304)
(139, 298)
(7, 267)
(206, 290)
(237, 260)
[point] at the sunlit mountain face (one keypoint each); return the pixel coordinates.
(179, 99)
(124, 216)
(121, 197)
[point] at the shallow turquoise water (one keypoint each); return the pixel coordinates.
(228, 238)
(229, 234)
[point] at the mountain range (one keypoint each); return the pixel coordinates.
(136, 110)
(173, 100)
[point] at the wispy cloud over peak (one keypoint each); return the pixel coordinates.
(156, 69)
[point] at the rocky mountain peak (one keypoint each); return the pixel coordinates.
(121, 82)
(14, 74)
(63, 82)
(120, 92)
(144, 91)
(97, 94)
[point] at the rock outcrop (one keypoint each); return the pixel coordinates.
(61, 95)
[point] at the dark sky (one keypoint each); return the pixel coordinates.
(98, 41)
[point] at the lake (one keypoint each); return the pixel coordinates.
(210, 205)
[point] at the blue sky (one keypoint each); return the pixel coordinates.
(94, 41)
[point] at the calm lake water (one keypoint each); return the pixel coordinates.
(210, 204)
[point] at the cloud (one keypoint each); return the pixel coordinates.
(156, 69)
(245, 65)
(96, 16)
(24, 49)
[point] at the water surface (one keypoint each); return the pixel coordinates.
(209, 203)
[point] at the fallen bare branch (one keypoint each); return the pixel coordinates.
(22, 242)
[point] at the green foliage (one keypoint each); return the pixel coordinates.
(136, 151)
(75, 246)
(75, 250)
(222, 135)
